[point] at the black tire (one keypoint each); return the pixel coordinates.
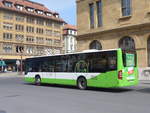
(37, 81)
(82, 83)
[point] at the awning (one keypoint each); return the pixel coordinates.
(2, 63)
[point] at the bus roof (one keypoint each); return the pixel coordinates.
(85, 51)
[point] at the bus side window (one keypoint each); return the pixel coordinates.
(98, 63)
(35, 66)
(30, 69)
(112, 62)
(45, 65)
(72, 60)
(81, 66)
(61, 65)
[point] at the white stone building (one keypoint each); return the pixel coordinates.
(69, 38)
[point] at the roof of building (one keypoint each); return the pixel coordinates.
(30, 4)
(68, 27)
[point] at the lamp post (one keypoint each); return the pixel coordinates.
(21, 49)
(21, 64)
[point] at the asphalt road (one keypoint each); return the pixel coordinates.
(19, 97)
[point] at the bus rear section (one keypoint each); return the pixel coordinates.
(127, 68)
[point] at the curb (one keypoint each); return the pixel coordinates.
(11, 75)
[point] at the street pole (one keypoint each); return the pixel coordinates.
(21, 55)
(21, 66)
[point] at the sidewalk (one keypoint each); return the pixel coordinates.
(11, 74)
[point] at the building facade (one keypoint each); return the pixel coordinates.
(108, 24)
(28, 29)
(69, 38)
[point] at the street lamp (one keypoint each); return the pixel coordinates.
(21, 50)
(21, 63)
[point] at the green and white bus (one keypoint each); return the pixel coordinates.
(104, 68)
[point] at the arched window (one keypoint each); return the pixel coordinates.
(148, 51)
(95, 45)
(127, 43)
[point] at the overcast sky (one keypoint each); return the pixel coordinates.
(66, 8)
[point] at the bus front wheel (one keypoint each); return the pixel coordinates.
(37, 80)
(82, 83)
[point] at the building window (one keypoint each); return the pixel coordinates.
(56, 15)
(71, 40)
(19, 37)
(8, 4)
(7, 36)
(73, 32)
(7, 48)
(30, 29)
(30, 9)
(69, 32)
(30, 39)
(96, 45)
(49, 32)
(127, 43)
(49, 23)
(39, 31)
(40, 50)
(91, 6)
(71, 44)
(19, 7)
(57, 42)
(48, 41)
(48, 14)
(99, 13)
(8, 16)
(40, 22)
(30, 20)
(39, 40)
(30, 50)
(39, 12)
(19, 27)
(19, 49)
(126, 7)
(19, 18)
(57, 25)
(7, 26)
(57, 34)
